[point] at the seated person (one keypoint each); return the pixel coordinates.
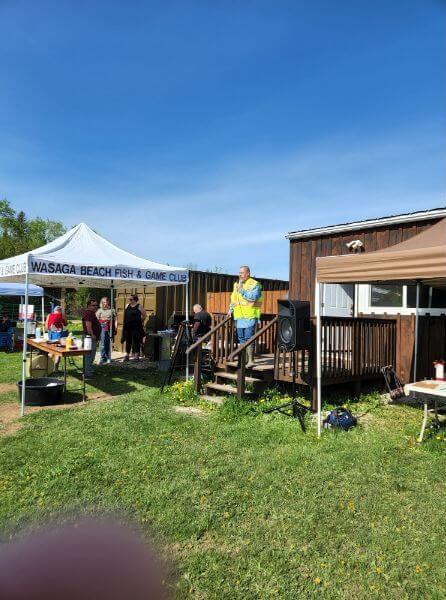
(202, 322)
(5, 324)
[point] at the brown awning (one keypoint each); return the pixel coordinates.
(421, 258)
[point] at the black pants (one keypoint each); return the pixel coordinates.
(133, 338)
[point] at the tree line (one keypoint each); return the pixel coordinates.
(18, 233)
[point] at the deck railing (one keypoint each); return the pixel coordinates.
(351, 348)
(266, 336)
(219, 330)
(356, 347)
(224, 339)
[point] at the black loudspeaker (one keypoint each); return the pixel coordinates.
(294, 325)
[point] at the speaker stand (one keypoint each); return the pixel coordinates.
(298, 410)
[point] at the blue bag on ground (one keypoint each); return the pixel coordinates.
(340, 418)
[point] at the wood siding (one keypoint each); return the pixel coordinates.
(431, 345)
(160, 303)
(218, 302)
(303, 253)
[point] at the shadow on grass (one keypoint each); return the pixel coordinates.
(114, 381)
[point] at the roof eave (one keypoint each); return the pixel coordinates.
(426, 215)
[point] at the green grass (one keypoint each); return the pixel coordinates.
(244, 505)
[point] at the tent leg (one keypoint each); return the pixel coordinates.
(415, 358)
(25, 343)
(112, 322)
(43, 313)
(317, 301)
(187, 332)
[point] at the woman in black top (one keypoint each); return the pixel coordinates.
(133, 327)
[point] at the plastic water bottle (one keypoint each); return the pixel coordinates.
(38, 334)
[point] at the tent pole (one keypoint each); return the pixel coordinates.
(25, 343)
(112, 321)
(317, 301)
(187, 332)
(43, 313)
(415, 358)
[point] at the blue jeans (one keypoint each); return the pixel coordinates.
(89, 359)
(245, 333)
(105, 343)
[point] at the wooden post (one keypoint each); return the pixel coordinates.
(63, 303)
(197, 369)
(314, 397)
(241, 375)
(311, 366)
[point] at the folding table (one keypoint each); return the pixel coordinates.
(430, 392)
(61, 351)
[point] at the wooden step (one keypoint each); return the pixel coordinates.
(223, 388)
(214, 399)
(233, 377)
(262, 363)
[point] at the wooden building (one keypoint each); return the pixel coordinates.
(374, 234)
(392, 305)
(364, 326)
(163, 302)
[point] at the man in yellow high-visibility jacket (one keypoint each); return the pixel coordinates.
(246, 301)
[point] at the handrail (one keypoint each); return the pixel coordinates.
(237, 351)
(207, 335)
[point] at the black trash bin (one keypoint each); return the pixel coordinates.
(41, 391)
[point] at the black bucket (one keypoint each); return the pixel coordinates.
(40, 391)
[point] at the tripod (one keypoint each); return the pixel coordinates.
(182, 341)
(298, 410)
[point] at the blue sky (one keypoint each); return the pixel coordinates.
(202, 132)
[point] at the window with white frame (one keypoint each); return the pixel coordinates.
(395, 297)
(386, 295)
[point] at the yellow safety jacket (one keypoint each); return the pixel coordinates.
(242, 308)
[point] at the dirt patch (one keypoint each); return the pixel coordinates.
(100, 396)
(10, 421)
(7, 387)
(189, 410)
(9, 418)
(119, 362)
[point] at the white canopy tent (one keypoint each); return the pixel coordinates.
(82, 258)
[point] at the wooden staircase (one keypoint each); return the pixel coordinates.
(226, 378)
(231, 375)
